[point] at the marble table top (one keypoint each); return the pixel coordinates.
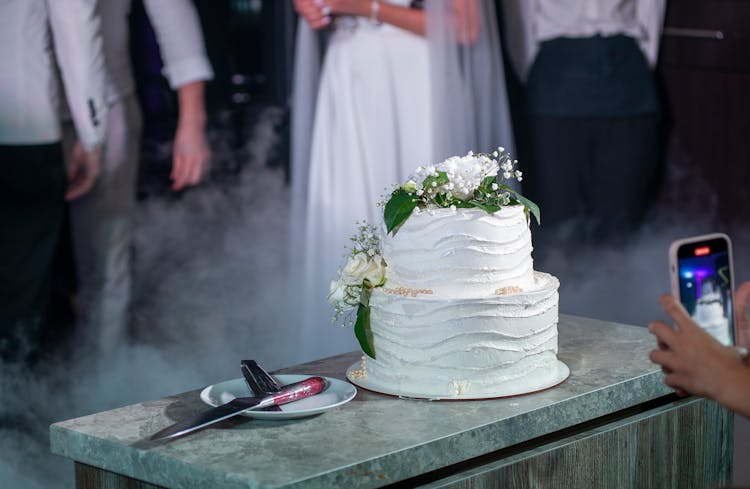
(373, 440)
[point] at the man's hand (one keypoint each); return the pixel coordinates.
(83, 170)
(192, 156)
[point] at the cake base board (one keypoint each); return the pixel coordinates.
(562, 372)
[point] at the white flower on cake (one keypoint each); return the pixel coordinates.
(363, 271)
(355, 268)
(364, 266)
(337, 294)
(471, 181)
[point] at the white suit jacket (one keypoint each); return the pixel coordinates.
(33, 35)
(178, 33)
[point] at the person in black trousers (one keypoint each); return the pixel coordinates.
(593, 112)
(33, 180)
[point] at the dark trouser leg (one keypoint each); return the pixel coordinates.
(621, 182)
(593, 177)
(31, 212)
(562, 148)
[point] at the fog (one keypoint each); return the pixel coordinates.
(210, 289)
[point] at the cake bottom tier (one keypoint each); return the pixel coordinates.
(439, 348)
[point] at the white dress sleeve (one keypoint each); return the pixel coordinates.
(77, 40)
(178, 32)
(650, 14)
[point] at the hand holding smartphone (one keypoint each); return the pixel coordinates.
(702, 280)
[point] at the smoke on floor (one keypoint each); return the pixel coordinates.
(210, 289)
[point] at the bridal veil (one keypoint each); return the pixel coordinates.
(469, 111)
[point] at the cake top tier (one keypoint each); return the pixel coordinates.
(460, 252)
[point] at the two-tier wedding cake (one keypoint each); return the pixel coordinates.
(448, 303)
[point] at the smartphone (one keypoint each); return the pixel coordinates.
(702, 280)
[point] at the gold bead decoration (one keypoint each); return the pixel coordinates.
(408, 292)
(511, 289)
(361, 372)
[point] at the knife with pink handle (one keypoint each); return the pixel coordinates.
(288, 393)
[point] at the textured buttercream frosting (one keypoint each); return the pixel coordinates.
(461, 252)
(484, 323)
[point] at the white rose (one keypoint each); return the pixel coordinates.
(337, 293)
(356, 269)
(376, 271)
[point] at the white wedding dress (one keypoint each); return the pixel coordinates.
(371, 129)
(377, 97)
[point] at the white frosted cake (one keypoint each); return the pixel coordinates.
(449, 304)
(463, 313)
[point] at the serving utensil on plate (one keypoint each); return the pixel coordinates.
(288, 393)
(259, 381)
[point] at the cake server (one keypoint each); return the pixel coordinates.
(288, 393)
(259, 381)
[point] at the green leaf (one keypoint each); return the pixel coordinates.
(440, 179)
(487, 182)
(461, 204)
(398, 209)
(442, 201)
(364, 296)
(362, 330)
(532, 207)
(488, 208)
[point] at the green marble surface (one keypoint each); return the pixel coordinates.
(373, 440)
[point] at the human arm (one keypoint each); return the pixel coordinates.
(187, 68)
(313, 12)
(83, 170)
(464, 13)
(192, 154)
(316, 13)
(76, 30)
(742, 320)
(695, 363)
(650, 16)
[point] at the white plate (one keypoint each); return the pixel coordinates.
(555, 375)
(337, 393)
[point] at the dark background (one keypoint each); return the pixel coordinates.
(703, 71)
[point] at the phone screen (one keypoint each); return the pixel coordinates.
(706, 286)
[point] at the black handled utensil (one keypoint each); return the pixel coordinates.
(259, 381)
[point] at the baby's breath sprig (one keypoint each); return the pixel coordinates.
(366, 240)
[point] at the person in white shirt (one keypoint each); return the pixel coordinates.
(34, 34)
(102, 221)
(593, 110)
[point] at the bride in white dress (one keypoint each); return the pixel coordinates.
(400, 86)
